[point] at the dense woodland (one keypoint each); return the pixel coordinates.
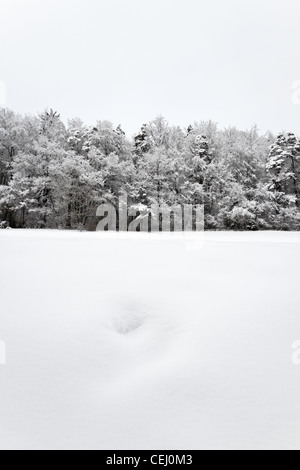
(55, 176)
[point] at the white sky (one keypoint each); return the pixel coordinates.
(232, 61)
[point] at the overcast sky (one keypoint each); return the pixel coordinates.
(232, 61)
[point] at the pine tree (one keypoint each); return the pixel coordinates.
(201, 158)
(283, 166)
(142, 141)
(51, 127)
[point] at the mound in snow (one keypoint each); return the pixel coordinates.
(141, 343)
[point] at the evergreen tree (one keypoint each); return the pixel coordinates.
(283, 165)
(142, 141)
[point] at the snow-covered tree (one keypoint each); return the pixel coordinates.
(108, 140)
(283, 165)
(142, 142)
(12, 140)
(55, 176)
(51, 127)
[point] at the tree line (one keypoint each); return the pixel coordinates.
(55, 176)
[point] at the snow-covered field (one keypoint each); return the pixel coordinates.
(140, 343)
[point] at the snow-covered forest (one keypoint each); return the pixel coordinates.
(55, 176)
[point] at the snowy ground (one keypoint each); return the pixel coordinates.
(136, 343)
